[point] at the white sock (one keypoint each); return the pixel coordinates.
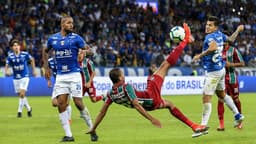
(207, 109)
(21, 104)
(69, 110)
(26, 104)
(231, 105)
(86, 116)
(65, 123)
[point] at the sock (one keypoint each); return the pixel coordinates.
(21, 104)
(207, 109)
(98, 98)
(65, 123)
(221, 113)
(229, 102)
(179, 115)
(69, 110)
(27, 104)
(86, 116)
(175, 53)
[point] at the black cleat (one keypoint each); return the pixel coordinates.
(67, 139)
(19, 115)
(94, 137)
(30, 113)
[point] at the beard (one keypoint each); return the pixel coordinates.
(68, 31)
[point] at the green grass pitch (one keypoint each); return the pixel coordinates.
(122, 125)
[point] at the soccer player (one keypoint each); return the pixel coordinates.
(18, 60)
(67, 47)
(53, 66)
(215, 71)
(150, 99)
(88, 75)
(233, 59)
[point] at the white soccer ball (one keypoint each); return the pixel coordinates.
(177, 34)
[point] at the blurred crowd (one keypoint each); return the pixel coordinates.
(122, 33)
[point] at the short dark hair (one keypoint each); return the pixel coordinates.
(13, 41)
(114, 75)
(215, 20)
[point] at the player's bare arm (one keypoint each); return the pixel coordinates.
(99, 117)
(45, 61)
(211, 49)
(239, 29)
(235, 64)
(144, 113)
(33, 66)
(7, 72)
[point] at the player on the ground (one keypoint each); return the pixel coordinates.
(215, 71)
(233, 59)
(150, 99)
(67, 47)
(88, 74)
(18, 60)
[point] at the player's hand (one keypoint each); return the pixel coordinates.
(240, 28)
(88, 85)
(47, 73)
(49, 83)
(156, 123)
(91, 132)
(188, 37)
(196, 58)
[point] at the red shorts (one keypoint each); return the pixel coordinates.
(232, 90)
(153, 91)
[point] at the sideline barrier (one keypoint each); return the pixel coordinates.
(173, 85)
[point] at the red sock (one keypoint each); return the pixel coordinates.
(221, 113)
(175, 53)
(98, 98)
(179, 115)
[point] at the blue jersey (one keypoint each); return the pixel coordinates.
(53, 66)
(19, 64)
(66, 51)
(214, 61)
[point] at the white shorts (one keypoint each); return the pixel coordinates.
(214, 81)
(68, 84)
(21, 84)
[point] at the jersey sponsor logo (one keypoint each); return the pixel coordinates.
(62, 43)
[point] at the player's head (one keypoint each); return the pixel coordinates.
(212, 24)
(15, 45)
(116, 75)
(67, 24)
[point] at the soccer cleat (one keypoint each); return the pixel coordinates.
(19, 115)
(187, 33)
(198, 134)
(220, 129)
(238, 119)
(94, 137)
(30, 113)
(199, 130)
(67, 139)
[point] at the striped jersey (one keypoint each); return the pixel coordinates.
(214, 61)
(19, 64)
(124, 94)
(232, 55)
(88, 68)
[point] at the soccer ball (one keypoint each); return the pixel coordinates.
(177, 34)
